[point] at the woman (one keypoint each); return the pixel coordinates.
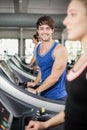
(75, 114)
(33, 63)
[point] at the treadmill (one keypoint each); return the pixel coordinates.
(24, 105)
(25, 66)
(24, 75)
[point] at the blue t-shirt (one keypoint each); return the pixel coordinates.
(45, 62)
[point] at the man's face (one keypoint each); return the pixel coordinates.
(45, 32)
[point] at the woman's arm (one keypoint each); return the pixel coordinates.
(37, 125)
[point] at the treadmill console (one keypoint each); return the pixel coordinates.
(6, 117)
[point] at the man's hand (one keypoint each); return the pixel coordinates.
(31, 90)
(30, 84)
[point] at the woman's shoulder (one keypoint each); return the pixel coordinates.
(80, 63)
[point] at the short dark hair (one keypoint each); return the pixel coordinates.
(45, 20)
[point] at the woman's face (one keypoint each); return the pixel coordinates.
(76, 21)
(34, 41)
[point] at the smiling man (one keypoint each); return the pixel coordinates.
(51, 59)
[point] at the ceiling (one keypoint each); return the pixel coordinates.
(34, 6)
(26, 12)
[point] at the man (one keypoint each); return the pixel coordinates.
(52, 59)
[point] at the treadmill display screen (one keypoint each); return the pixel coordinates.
(5, 117)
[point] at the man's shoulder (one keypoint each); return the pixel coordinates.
(60, 46)
(60, 50)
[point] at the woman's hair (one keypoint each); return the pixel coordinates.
(36, 36)
(84, 3)
(46, 20)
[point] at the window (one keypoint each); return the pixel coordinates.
(8, 47)
(29, 50)
(74, 50)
